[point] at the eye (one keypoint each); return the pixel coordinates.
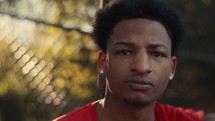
(124, 52)
(158, 54)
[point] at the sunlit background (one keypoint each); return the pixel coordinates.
(48, 58)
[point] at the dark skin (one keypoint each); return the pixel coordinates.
(129, 48)
(138, 64)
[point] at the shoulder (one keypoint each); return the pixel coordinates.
(86, 112)
(171, 113)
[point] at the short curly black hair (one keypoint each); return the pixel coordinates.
(119, 10)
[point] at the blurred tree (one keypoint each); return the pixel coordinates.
(48, 62)
(192, 86)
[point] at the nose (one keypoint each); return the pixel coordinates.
(141, 64)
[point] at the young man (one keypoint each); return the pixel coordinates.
(138, 42)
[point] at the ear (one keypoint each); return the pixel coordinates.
(173, 67)
(101, 62)
(101, 75)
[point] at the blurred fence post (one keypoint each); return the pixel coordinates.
(103, 2)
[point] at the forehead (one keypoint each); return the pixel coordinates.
(141, 30)
(145, 25)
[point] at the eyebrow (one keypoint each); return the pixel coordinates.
(124, 43)
(151, 46)
(154, 46)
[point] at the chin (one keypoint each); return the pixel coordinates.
(139, 102)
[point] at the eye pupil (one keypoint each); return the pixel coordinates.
(125, 52)
(157, 54)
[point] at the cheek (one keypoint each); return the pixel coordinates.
(162, 78)
(162, 70)
(162, 83)
(160, 86)
(116, 68)
(116, 73)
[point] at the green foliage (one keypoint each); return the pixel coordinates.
(46, 68)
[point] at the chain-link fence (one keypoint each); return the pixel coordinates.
(46, 67)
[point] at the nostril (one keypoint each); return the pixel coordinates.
(150, 70)
(141, 69)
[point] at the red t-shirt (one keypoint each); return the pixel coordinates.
(162, 113)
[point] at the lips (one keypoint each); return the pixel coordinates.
(139, 84)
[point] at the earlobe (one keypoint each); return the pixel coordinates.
(171, 76)
(101, 71)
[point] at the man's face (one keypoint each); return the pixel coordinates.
(138, 61)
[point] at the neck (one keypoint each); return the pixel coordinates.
(111, 109)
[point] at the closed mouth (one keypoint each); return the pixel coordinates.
(144, 81)
(140, 84)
